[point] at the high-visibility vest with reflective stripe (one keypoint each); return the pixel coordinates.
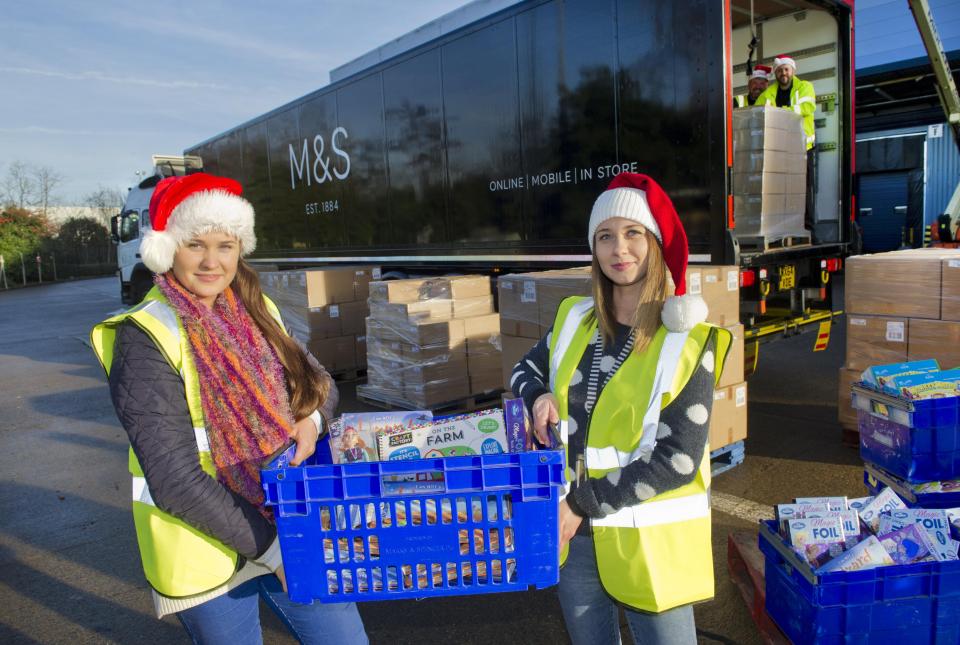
(657, 554)
(803, 101)
(741, 100)
(178, 560)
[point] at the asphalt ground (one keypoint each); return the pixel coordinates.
(69, 568)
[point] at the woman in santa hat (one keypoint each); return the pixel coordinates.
(627, 377)
(208, 385)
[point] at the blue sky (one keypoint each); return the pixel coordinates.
(92, 88)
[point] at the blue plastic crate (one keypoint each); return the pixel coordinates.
(916, 440)
(917, 604)
(490, 526)
(913, 495)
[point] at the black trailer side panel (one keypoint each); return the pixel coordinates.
(495, 139)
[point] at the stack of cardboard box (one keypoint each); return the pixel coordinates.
(432, 341)
(770, 169)
(901, 306)
(325, 309)
(528, 307)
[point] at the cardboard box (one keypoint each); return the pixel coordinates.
(720, 287)
(519, 310)
(899, 283)
(428, 332)
(399, 291)
(328, 286)
(753, 161)
(476, 306)
(429, 355)
(322, 322)
(362, 277)
(353, 317)
(482, 327)
(485, 380)
(400, 313)
(950, 289)
(876, 340)
(759, 182)
(846, 415)
(467, 286)
(435, 372)
(429, 395)
(388, 349)
(514, 348)
(938, 339)
(733, 367)
(335, 354)
(554, 289)
(380, 330)
(728, 418)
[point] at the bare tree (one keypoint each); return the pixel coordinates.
(45, 180)
(105, 201)
(18, 184)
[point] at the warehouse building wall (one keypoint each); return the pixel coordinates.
(940, 164)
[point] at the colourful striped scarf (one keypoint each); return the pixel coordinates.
(242, 386)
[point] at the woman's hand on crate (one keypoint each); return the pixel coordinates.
(305, 433)
(569, 523)
(544, 412)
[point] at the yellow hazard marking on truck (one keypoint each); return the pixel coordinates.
(751, 352)
(823, 337)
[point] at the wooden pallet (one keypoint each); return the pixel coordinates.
(471, 403)
(727, 457)
(745, 564)
(764, 243)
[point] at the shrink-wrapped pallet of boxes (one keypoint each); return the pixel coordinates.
(901, 306)
(325, 309)
(769, 174)
(431, 341)
(528, 307)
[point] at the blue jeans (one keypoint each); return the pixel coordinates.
(234, 618)
(592, 617)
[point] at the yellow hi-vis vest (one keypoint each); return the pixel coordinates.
(178, 560)
(741, 100)
(803, 101)
(657, 554)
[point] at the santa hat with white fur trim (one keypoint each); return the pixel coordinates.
(184, 207)
(641, 199)
(761, 71)
(782, 60)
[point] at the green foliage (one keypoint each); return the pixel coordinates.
(21, 232)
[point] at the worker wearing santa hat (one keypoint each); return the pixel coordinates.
(793, 93)
(627, 376)
(757, 82)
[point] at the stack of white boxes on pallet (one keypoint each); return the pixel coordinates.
(769, 173)
(432, 341)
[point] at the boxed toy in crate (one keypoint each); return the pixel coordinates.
(932, 494)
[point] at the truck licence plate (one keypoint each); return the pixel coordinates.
(788, 277)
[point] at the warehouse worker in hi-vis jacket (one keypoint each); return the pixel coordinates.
(757, 82)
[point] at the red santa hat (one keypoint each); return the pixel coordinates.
(784, 59)
(641, 199)
(761, 71)
(184, 207)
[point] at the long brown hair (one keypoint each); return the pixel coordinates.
(653, 293)
(308, 392)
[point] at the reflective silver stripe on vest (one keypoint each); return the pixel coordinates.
(806, 99)
(566, 334)
(690, 507)
(165, 315)
(141, 492)
(610, 457)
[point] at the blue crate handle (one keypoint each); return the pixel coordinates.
(791, 556)
(881, 477)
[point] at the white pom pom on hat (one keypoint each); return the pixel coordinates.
(184, 207)
(639, 198)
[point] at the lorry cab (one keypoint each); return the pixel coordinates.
(132, 223)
